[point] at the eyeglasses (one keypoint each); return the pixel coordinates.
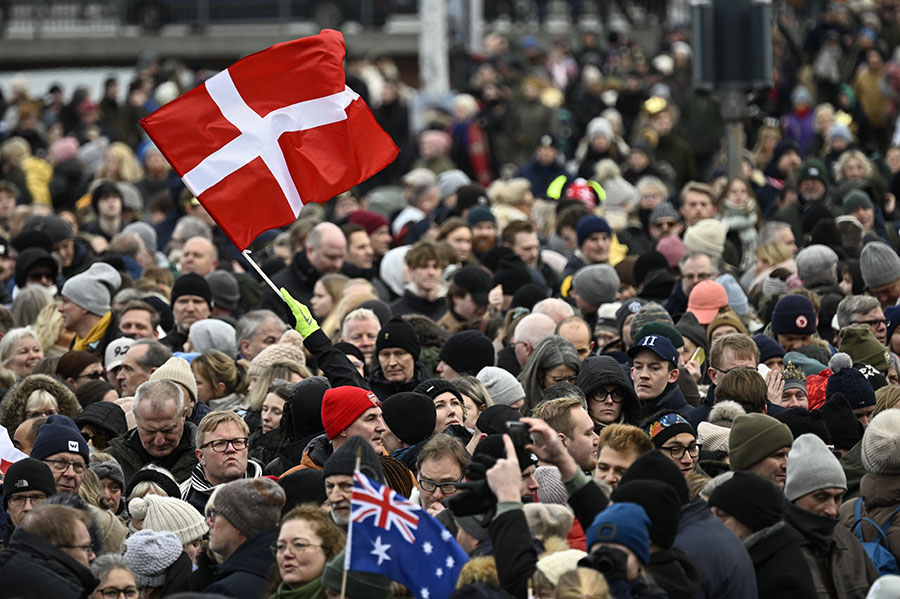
(602, 395)
(297, 547)
(564, 379)
(220, 445)
(446, 488)
(63, 465)
(92, 375)
(874, 322)
(86, 548)
(36, 413)
(211, 514)
(677, 451)
(114, 593)
(18, 500)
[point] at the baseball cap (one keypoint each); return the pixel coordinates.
(705, 300)
(659, 345)
(476, 281)
(115, 352)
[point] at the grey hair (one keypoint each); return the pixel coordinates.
(192, 226)
(28, 304)
(853, 305)
(696, 254)
(157, 392)
(11, 338)
(358, 314)
(651, 182)
(551, 352)
(108, 562)
(250, 322)
(155, 356)
(771, 231)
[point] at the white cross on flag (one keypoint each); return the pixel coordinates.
(271, 132)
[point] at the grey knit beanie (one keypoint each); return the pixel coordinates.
(178, 370)
(94, 288)
(251, 505)
(597, 284)
(881, 444)
(879, 264)
(149, 553)
(817, 264)
(109, 469)
(811, 466)
(168, 514)
(502, 386)
(145, 232)
(212, 333)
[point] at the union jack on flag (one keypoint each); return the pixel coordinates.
(391, 536)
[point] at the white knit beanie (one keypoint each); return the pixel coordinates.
(168, 514)
(881, 444)
(553, 566)
(177, 370)
(713, 437)
(149, 553)
(707, 236)
(811, 466)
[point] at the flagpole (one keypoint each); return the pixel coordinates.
(265, 277)
(349, 531)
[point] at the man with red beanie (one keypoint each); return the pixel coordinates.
(346, 411)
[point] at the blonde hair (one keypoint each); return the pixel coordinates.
(479, 569)
(334, 285)
(278, 370)
(334, 321)
(886, 398)
(11, 339)
(773, 252)
(217, 367)
(40, 398)
(217, 418)
(846, 157)
(582, 583)
(511, 193)
(129, 168)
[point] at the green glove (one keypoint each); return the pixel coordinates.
(306, 325)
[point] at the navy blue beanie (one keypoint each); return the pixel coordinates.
(794, 315)
(892, 314)
(624, 524)
(60, 435)
(591, 224)
(768, 347)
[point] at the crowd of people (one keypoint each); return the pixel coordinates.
(554, 323)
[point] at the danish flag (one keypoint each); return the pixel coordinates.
(271, 132)
(9, 455)
(385, 506)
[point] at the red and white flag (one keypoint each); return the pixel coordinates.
(9, 455)
(273, 131)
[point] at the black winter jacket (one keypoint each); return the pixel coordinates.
(781, 570)
(383, 388)
(245, 574)
(31, 568)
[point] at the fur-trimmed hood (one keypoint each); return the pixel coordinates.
(12, 410)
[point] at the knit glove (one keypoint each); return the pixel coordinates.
(306, 325)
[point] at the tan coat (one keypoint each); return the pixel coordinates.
(880, 496)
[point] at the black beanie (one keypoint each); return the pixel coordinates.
(646, 262)
(399, 334)
(750, 499)
(527, 296)
(302, 486)
(411, 416)
(151, 475)
(655, 465)
(434, 387)
(467, 352)
(660, 502)
(802, 421)
(494, 446)
(845, 430)
(28, 474)
(191, 284)
(306, 406)
(493, 419)
(104, 415)
(343, 461)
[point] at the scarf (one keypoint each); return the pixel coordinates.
(93, 336)
(310, 590)
(816, 528)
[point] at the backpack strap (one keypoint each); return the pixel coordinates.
(887, 523)
(881, 531)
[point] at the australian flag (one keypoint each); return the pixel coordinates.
(392, 536)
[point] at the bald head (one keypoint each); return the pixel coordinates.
(555, 308)
(199, 256)
(326, 248)
(529, 333)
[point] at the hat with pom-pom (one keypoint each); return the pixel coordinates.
(881, 444)
(724, 412)
(169, 514)
(849, 382)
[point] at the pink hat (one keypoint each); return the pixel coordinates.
(672, 248)
(705, 300)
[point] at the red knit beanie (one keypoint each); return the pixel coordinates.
(342, 405)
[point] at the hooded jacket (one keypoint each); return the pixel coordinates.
(245, 574)
(12, 410)
(598, 372)
(31, 568)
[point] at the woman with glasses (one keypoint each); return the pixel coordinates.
(554, 360)
(609, 392)
(36, 395)
(308, 540)
(116, 578)
(676, 438)
(79, 367)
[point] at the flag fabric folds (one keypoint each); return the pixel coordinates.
(392, 536)
(273, 131)
(9, 455)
